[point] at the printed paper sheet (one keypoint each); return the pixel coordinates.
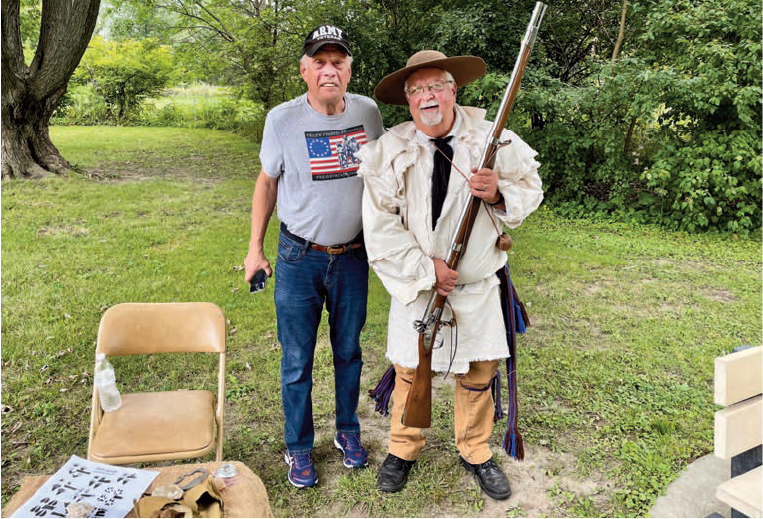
(111, 490)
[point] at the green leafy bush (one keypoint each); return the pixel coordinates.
(706, 65)
(124, 73)
(712, 181)
(203, 106)
(168, 115)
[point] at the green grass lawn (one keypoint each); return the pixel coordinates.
(615, 375)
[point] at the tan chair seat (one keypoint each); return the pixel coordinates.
(161, 425)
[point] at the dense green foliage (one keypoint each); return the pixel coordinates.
(667, 129)
(670, 134)
(193, 106)
(710, 159)
(204, 106)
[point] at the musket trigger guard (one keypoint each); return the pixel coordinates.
(449, 324)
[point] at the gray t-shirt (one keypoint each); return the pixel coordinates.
(314, 157)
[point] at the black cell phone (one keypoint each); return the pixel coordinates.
(258, 281)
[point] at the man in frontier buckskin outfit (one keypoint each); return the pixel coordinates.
(416, 188)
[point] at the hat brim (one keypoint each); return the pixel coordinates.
(464, 70)
(315, 47)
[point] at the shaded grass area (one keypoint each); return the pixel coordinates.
(135, 153)
(615, 373)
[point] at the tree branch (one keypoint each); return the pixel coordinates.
(14, 69)
(621, 35)
(65, 31)
(183, 10)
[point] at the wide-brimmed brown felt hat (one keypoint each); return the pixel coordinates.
(464, 70)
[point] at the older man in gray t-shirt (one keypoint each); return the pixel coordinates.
(309, 165)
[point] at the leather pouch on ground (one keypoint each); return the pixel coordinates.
(202, 500)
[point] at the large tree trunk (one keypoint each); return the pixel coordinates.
(30, 93)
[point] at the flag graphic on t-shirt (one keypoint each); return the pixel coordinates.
(332, 152)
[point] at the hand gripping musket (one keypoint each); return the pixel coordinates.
(418, 406)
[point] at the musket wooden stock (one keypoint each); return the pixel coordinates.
(418, 405)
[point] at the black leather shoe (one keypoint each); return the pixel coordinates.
(491, 478)
(393, 473)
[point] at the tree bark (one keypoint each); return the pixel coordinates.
(30, 93)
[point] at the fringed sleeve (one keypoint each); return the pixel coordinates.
(393, 251)
(518, 180)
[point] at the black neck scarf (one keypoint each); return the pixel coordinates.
(440, 175)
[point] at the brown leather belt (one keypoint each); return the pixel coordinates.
(335, 250)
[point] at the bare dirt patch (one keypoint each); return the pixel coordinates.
(721, 295)
(118, 173)
(71, 230)
(541, 483)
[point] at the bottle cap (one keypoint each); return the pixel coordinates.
(226, 470)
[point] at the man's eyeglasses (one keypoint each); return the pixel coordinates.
(435, 87)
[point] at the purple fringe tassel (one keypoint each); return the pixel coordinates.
(383, 391)
(516, 321)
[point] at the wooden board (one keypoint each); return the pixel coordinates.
(738, 376)
(744, 493)
(739, 428)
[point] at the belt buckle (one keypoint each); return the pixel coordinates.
(336, 249)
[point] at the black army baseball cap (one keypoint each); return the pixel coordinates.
(325, 35)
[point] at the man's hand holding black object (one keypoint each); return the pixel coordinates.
(256, 271)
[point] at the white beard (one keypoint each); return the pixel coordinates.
(430, 119)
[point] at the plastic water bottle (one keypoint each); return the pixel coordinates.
(106, 381)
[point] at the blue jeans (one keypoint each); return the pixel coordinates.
(305, 279)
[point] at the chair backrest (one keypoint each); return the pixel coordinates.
(140, 328)
(144, 328)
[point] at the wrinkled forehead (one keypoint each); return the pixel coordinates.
(426, 74)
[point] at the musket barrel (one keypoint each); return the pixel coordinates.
(535, 20)
(513, 87)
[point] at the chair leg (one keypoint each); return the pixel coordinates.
(219, 452)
